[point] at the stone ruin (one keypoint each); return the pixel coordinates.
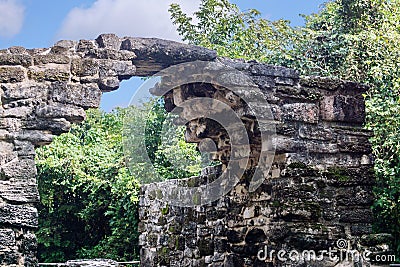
(319, 189)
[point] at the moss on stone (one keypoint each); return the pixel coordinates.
(159, 194)
(163, 256)
(191, 182)
(297, 165)
(340, 174)
(152, 195)
(275, 204)
(196, 199)
(165, 210)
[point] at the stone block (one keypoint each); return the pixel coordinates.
(57, 110)
(17, 112)
(350, 196)
(18, 215)
(84, 67)
(11, 74)
(25, 91)
(51, 58)
(7, 239)
(304, 112)
(343, 108)
(88, 47)
(354, 144)
(260, 69)
(36, 137)
(319, 132)
(25, 149)
(332, 84)
(20, 169)
(82, 95)
(110, 41)
(49, 72)
(67, 44)
(355, 215)
(117, 68)
(56, 126)
(163, 53)
(19, 191)
(16, 59)
(361, 229)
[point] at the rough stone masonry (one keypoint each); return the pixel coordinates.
(319, 189)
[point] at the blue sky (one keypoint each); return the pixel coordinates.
(40, 23)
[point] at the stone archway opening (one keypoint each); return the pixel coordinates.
(72, 224)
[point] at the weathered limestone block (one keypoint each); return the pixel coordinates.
(19, 191)
(51, 58)
(15, 59)
(36, 137)
(12, 74)
(113, 71)
(301, 112)
(275, 71)
(110, 41)
(84, 67)
(316, 133)
(49, 72)
(116, 68)
(18, 215)
(7, 239)
(19, 168)
(343, 108)
(58, 110)
(56, 126)
(10, 124)
(63, 47)
(81, 95)
(14, 110)
(14, 92)
(153, 55)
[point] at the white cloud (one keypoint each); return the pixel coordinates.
(11, 17)
(140, 18)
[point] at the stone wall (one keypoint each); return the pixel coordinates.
(317, 193)
(319, 188)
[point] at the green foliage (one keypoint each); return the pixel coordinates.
(220, 25)
(349, 39)
(165, 151)
(89, 197)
